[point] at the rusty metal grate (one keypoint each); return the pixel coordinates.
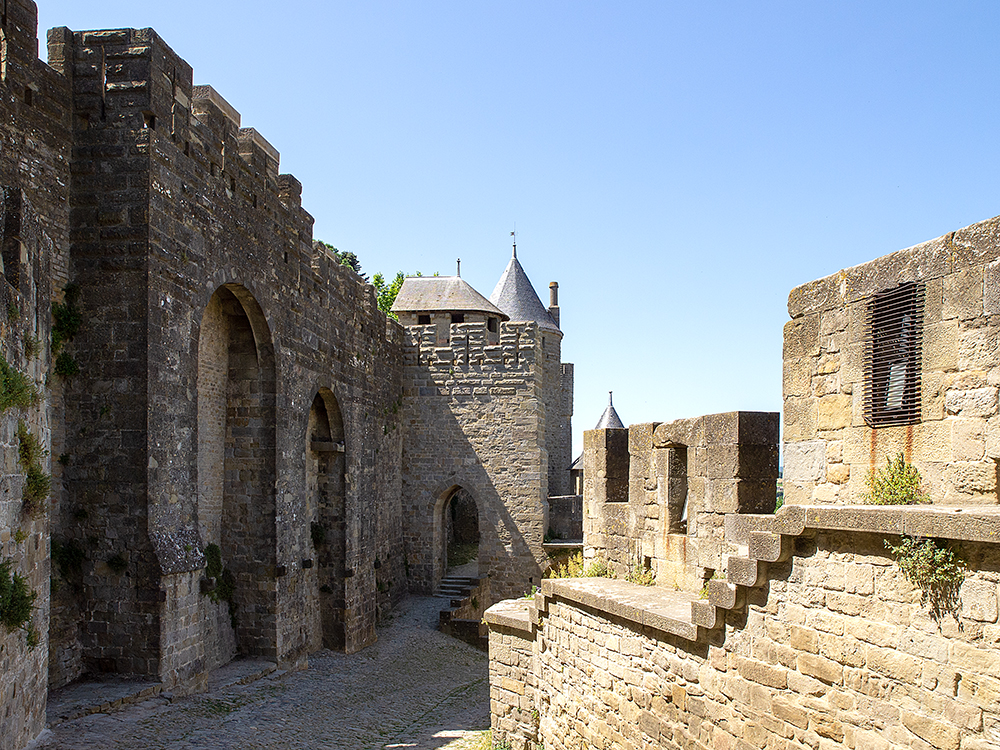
(892, 356)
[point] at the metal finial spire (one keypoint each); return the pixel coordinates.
(514, 235)
(609, 398)
(458, 272)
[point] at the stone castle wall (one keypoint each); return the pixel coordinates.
(211, 328)
(955, 442)
(834, 651)
(34, 179)
(473, 417)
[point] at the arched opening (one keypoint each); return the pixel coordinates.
(326, 509)
(236, 470)
(460, 525)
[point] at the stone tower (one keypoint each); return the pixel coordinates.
(486, 406)
(515, 295)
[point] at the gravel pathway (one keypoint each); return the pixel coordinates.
(415, 688)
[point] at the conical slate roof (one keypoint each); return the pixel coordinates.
(516, 297)
(609, 419)
(442, 294)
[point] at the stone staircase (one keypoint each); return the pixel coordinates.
(456, 588)
(460, 592)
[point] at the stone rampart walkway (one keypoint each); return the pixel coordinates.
(415, 688)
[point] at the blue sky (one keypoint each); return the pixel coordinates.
(677, 167)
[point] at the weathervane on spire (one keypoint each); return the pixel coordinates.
(514, 235)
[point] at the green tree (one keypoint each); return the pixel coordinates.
(386, 293)
(345, 258)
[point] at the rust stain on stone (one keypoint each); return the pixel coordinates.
(873, 453)
(908, 450)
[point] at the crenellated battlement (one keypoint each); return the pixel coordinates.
(515, 346)
(134, 100)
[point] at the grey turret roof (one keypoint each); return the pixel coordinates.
(609, 419)
(442, 294)
(516, 297)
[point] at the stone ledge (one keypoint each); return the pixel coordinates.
(511, 613)
(969, 524)
(653, 606)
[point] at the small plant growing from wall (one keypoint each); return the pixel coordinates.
(16, 389)
(897, 483)
(225, 588)
(37, 483)
(32, 346)
(66, 318)
(16, 602)
(66, 366)
(932, 567)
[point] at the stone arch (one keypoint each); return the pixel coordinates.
(326, 491)
(442, 517)
(236, 461)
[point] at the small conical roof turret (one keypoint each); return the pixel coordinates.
(609, 419)
(516, 297)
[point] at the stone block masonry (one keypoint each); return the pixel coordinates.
(835, 649)
(951, 378)
(211, 327)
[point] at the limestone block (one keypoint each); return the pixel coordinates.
(933, 390)
(797, 376)
(800, 418)
(852, 363)
(805, 461)
(834, 451)
(833, 320)
(833, 412)
(838, 473)
(963, 294)
(802, 337)
(688, 432)
(932, 441)
(978, 349)
(798, 493)
(940, 346)
(979, 600)
(993, 437)
(973, 478)
(980, 402)
(826, 494)
(968, 439)
(938, 734)
(991, 288)
(825, 385)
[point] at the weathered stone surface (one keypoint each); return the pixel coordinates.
(805, 461)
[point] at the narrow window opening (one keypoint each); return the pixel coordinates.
(148, 121)
(232, 184)
(254, 200)
(187, 148)
(457, 317)
(286, 256)
(29, 96)
(892, 356)
(491, 325)
(424, 320)
(213, 170)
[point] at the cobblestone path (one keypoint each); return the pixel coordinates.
(415, 688)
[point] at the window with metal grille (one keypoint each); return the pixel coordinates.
(892, 356)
